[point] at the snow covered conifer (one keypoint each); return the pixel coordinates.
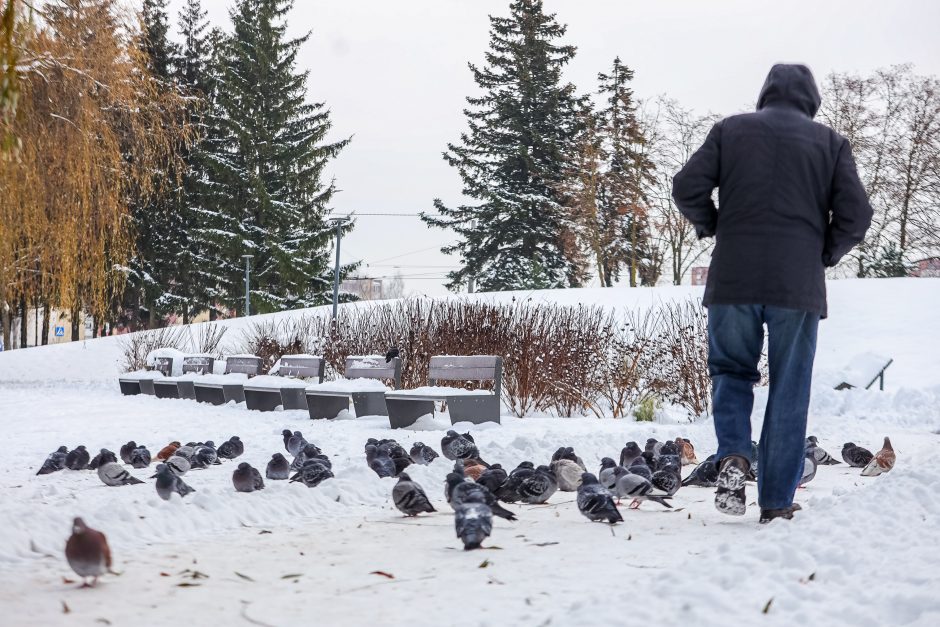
(511, 159)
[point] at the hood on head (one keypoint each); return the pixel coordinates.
(790, 86)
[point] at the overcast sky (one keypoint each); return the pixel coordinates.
(394, 74)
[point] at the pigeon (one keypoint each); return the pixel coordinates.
(167, 451)
(667, 479)
(409, 497)
(704, 475)
(629, 485)
(401, 458)
(87, 552)
(392, 353)
(114, 474)
(856, 456)
(567, 473)
(77, 459)
(567, 452)
(295, 443)
(457, 489)
(809, 468)
(473, 521)
(640, 467)
(103, 457)
(278, 468)
(606, 474)
(493, 478)
(629, 454)
(668, 456)
(506, 492)
(309, 451)
(246, 478)
(55, 461)
(231, 448)
(823, 458)
(686, 451)
(883, 461)
(286, 435)
(126, 451)
(312, 474)
(178, 465)
(596, 502)
(423, 454)
(536, 486)
(456, 446)
(204, 455)
(168, 483)
(186, 452)
(140, 457)
(379, 461)
(473, 468)
(653, 446)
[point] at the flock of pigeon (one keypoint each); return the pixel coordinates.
(474, 489)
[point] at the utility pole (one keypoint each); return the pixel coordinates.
(247, 259)
(338, 222)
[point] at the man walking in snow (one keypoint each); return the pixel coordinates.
(790, 204)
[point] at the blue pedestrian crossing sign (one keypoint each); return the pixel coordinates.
(60, 331)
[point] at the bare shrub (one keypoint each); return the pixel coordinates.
(136, 346)
(206, 338)
(627, 367)
(680, 351)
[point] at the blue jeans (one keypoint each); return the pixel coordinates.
(735, 340)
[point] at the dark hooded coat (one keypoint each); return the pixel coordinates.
(790, 202)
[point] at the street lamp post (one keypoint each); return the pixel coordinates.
(247, 259)
(338, 222)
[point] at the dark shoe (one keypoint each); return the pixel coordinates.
(766, 515)
(729, 497)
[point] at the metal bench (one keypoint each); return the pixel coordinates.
(183, 386)
(268, 396)
(864, 370)
(328, 399)
(141, 382)
(220, 389)
(406, 406)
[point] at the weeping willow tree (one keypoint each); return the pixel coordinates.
(93, 128)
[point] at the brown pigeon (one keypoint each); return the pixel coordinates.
(686, 451)
(883, 461)
(473, 469)
(167, 451)
(87, 552)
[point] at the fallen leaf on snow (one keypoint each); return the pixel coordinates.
(245, 577)
(382, 573)
(65, 608)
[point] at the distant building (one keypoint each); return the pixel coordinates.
(365, 289)
(929, 267)
(699, 275)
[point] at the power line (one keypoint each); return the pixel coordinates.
(352, 214)
(414, 252)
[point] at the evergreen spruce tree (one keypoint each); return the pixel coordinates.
(265, 152)
(512, 157)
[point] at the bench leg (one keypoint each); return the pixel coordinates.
(404, 412)
(166, 390)
(186, 389)
(326, 406)
(370, 404)
(234, 393)
(475, 409)
(213, 396)
(293, 398)
(130, 388)
(267, 400)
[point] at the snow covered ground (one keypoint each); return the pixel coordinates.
(863, 551)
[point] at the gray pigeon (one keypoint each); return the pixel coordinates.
(568, 474)
(167, 483)
(704, 475)
(457, 489)
(231, 448)
(246, 478)
(126, 450)
(55, 461)
(204, 455)
(631, 486)
(473, 521)
(507, 492)
(536, 486)
(140, 457)
(667, 479)
(640, 467)
(295, 443)
(606, 474)
(493, 478)
(455, 446)
(309, 451)
(178, 465)
(423, 454)
(809, 468)
(380, 462)
(103, 457)
(855, 455)
(77, 459)
(822, 457)
(278, 468)
(312, 474)
(630, 453)
(596, 502)
(114, 474)
(409, 497)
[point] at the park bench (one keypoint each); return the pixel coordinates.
(362, 382)
(286, 386)
(219, 389)
(476, 406)
(183, 386)
(863, 371)
(141, 381)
